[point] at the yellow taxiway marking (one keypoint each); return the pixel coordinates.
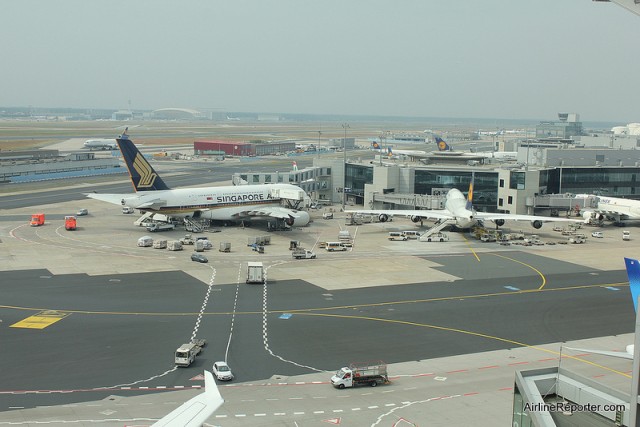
(544, 279)
(472, 251)
(462, 331)
(335, 307)
(40, 320)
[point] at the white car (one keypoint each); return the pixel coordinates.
(222, 372)
(597, 234)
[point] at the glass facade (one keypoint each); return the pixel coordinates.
(614, 182)
(356, 177)
(485, 191)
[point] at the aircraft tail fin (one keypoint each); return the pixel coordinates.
(469, 204)
(633, 272)
(375, 145)
(389, 152)
(442, 145)
(143, 176)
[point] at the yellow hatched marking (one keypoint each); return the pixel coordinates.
(40, 320)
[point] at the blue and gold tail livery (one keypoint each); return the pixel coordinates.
(469, 204)
(633, 272)
(442, 145)
(142, 175)
(375, 145)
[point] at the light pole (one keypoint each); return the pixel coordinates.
(345, 126)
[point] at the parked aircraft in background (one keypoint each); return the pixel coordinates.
(615, 208)
(195, 411)
(231, 203)
(445, 149)
(459, 213)
(101, 144)
(633, 273)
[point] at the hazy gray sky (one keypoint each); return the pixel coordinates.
(437, 58)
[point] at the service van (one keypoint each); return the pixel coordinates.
(335, 246)
(127, 210)
(411, 234)
(397, 235)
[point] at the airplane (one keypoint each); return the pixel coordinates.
(102, 144)
(612, 207)
(460, 213)
(195, 411)
(230, 203)
(233, 119)
(410, 153)
(445, 149)
(633, 273)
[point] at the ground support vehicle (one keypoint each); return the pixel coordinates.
(187, 240)
(303, 254)
(70, 223)
(37, 220)
(255, 272)
(435, 237)
(371, 373)
(156, 226)
(225, 247)
(626, 235)
(186, 353)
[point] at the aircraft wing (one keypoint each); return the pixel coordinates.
(115, 199)
(516, 217)
(195, 411)
(271, 211)
(408, 213)
(620, 354)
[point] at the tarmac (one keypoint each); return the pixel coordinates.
(367, 301)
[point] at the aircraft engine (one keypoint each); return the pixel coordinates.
(302, 219)
(383, 217)
(290, 221)
(499, 222)
(536, 224)
(416, 218)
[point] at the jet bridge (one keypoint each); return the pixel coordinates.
(292, 198)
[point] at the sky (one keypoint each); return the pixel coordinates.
(511, 59)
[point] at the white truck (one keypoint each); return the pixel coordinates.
(303, 254)
(187, 240)
(157, 226)
(372, 373)
(626, 235)
(186, 353)
(255, 272)
(435, 237)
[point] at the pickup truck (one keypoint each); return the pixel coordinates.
(303, 254)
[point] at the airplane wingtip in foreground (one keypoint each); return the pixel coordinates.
(633, 273)
(195, 411)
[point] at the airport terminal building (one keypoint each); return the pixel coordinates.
(544, 179)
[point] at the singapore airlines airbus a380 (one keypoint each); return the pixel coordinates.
(232, 203)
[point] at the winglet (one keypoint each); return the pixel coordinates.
(142, 175)
(633, 272)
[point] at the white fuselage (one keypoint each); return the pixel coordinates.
(623, 207)
(101, 144)
(217, 203)
(456, 204)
